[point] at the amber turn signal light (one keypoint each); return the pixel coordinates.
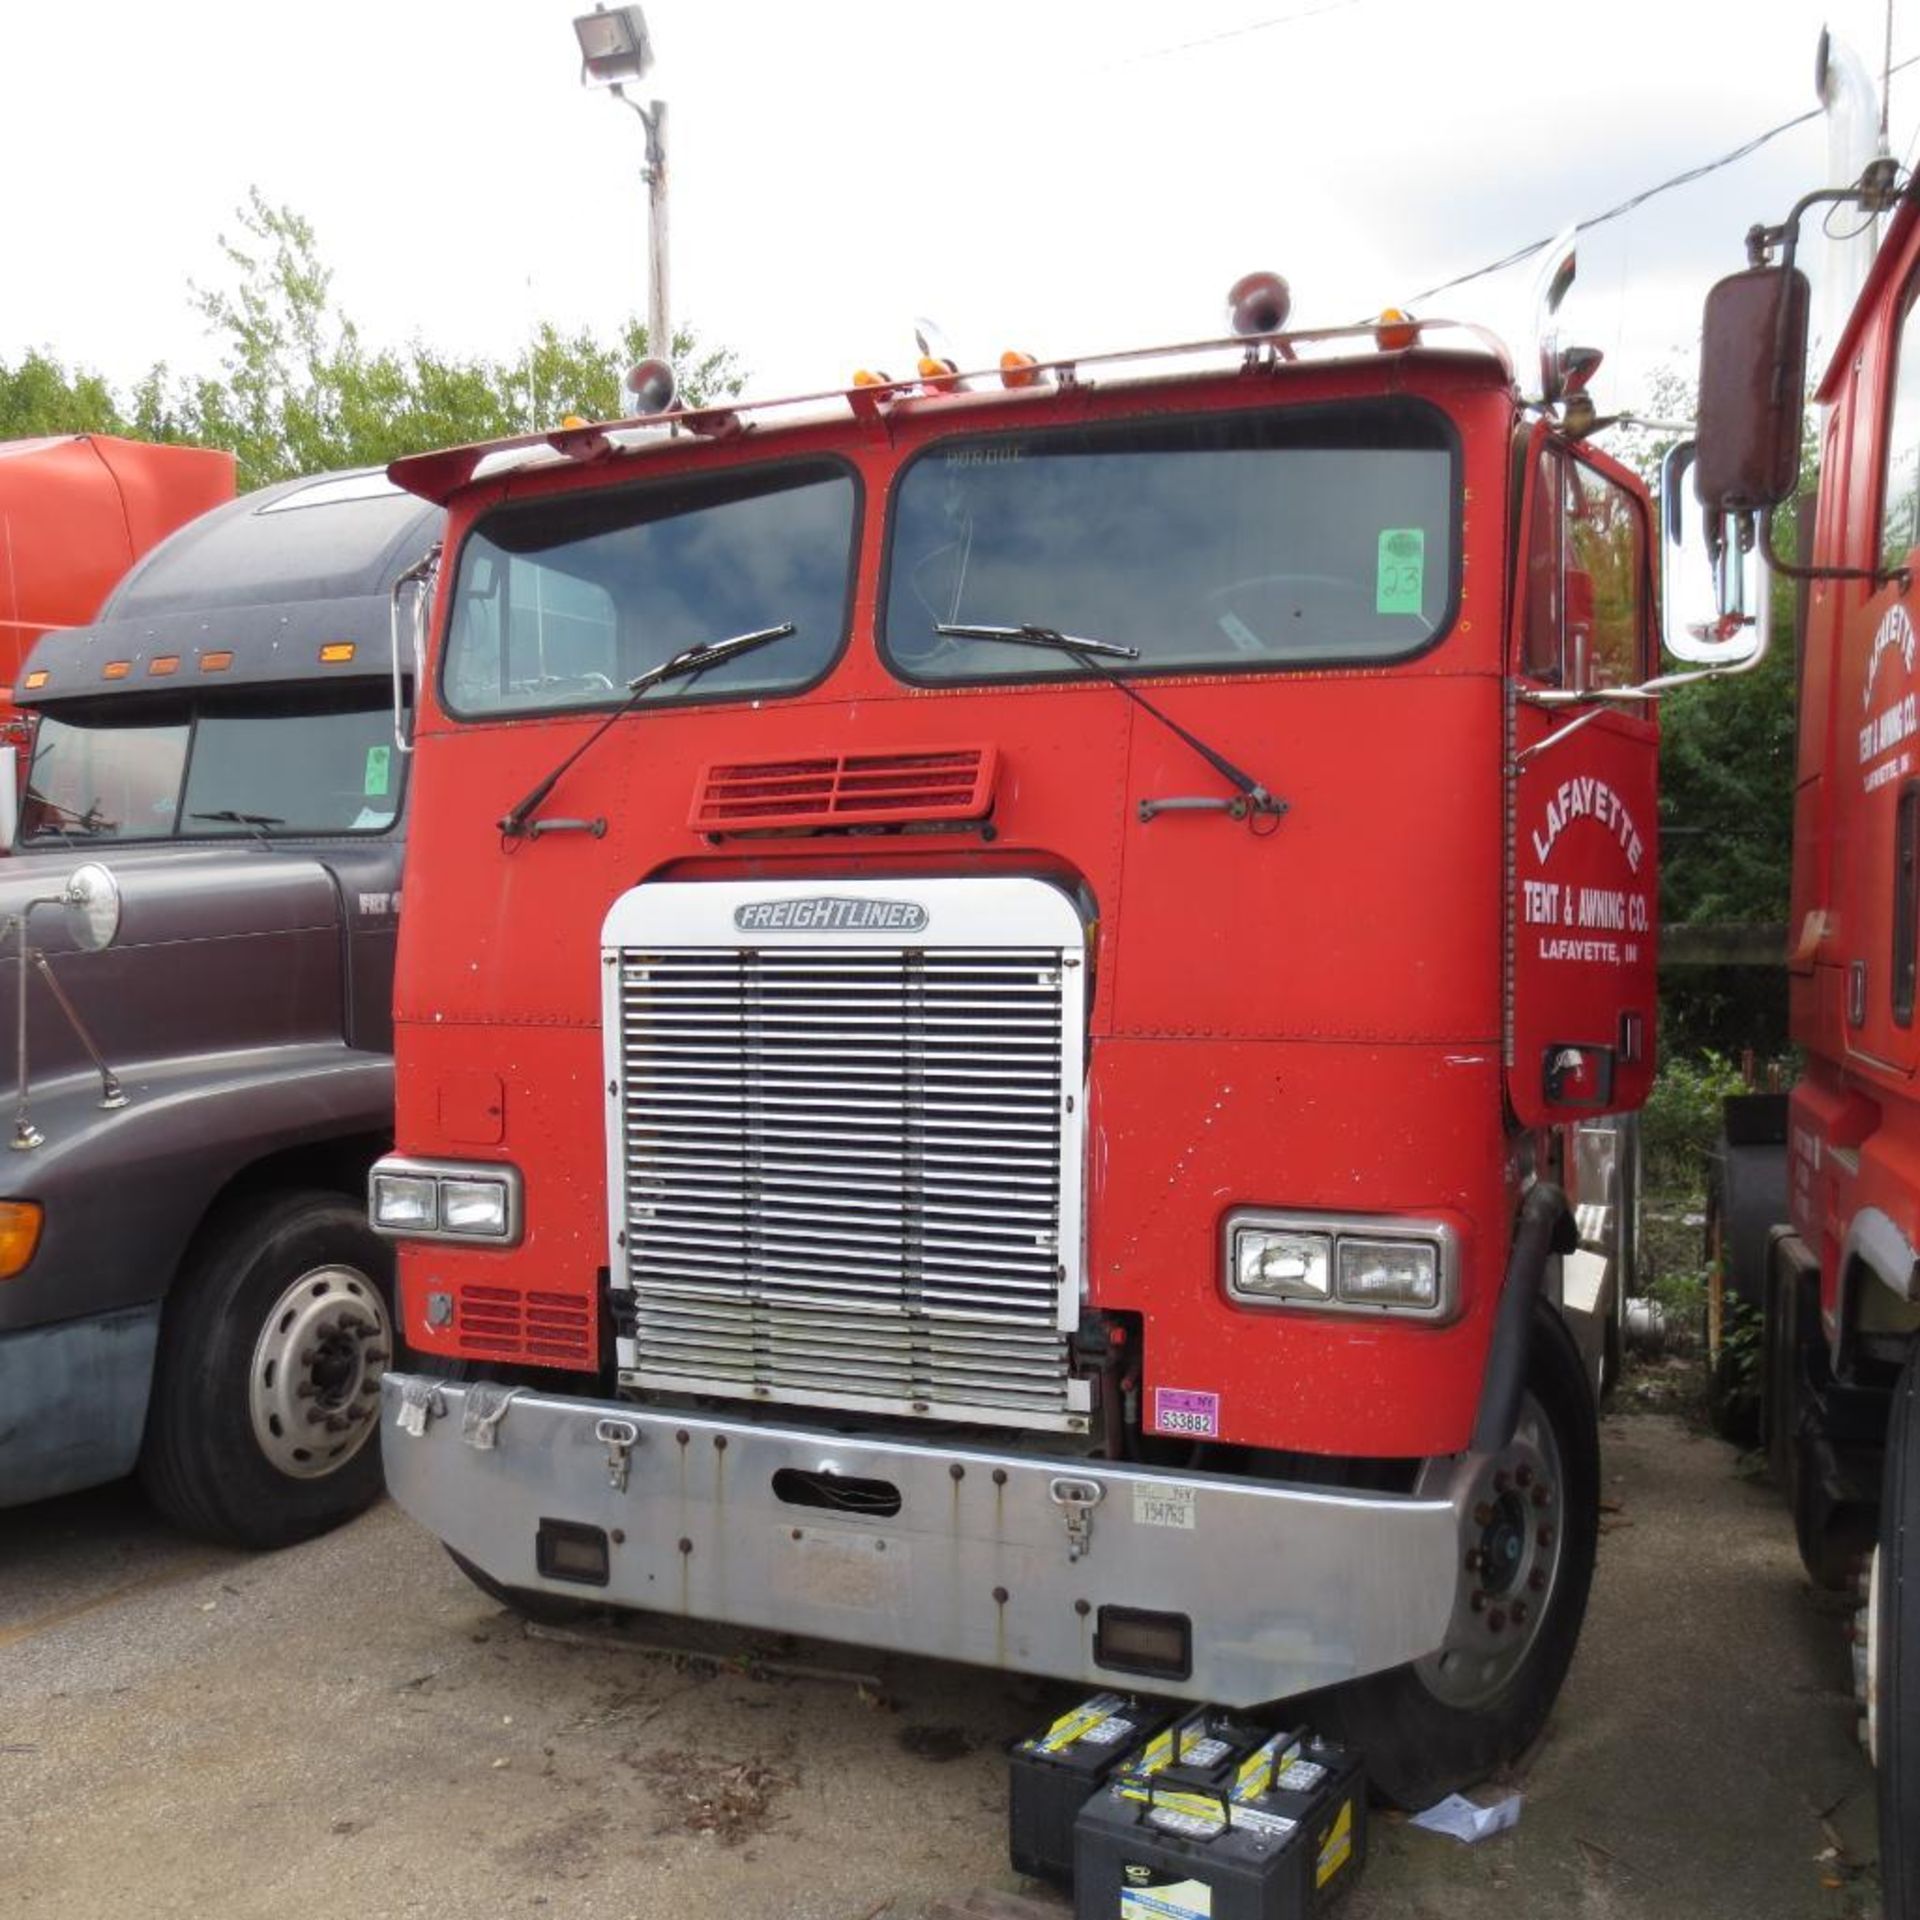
(1394, 330)
(19, 1235)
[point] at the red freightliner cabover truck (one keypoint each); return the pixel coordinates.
(1819, 1192)
(1008, 1013)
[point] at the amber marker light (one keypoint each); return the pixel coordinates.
(19, 1235)
(336, 653)
(864, 377)
(116, 670)
(164, 663)
(1019, 369)
(37, 678)
(217, 662)
(1395, 330)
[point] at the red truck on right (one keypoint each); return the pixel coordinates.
(1818, 1213)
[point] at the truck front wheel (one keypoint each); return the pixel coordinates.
(1894, 1648)
(263, 1427)
(1529, 1528)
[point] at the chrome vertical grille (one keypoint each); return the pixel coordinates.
(843, 1172)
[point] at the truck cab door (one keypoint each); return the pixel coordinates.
(1875, 770)
(1581, 809)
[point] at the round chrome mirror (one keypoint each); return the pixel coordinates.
(92, 900)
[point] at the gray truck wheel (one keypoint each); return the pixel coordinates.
(264, 1423)
(1530, 1520)
(1895, 1642)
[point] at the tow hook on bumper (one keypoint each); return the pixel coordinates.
(988, 1557)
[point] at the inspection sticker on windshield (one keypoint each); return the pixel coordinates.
(1403, 567)
(1159, 1503)
(1179, 1410)
(378, 763)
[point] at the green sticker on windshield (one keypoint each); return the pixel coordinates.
(377, 764)
(1403, 566)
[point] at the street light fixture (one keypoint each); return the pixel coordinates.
(615, 50)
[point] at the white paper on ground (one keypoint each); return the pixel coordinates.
(1460, 1817)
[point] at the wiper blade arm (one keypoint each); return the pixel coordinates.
(513, 824)
(236, 819)
(1031, 635)
(1089, 653)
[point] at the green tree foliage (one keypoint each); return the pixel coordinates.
(40, 396)
(300, 391)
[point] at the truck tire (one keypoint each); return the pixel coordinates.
(1746, 1199)
(263, 1427)
(1530, 1530)
(1895, 1639)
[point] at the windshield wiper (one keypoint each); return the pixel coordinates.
(514, 823)
(91, 822)
(1030, 635)
(255, 823)
(1089, 653)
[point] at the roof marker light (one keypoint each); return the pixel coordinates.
(652, 385)
(1395, 329)
(864, 378)
(336, 653)
(1019, 369)
(216, 662)
(116, 670)
(1259, 303)
(163, 663)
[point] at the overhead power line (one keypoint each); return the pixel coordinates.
(1640, 199)
(1240, 32)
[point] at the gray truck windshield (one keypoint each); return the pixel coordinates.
(1305, 536)
(140, 770)
(564, 603)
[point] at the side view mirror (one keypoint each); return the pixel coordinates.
(1715, 607)
(1753, 377)
(9, 797)
(92, 900)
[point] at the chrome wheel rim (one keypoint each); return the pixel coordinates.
(314, 1388)
(1508, 1506)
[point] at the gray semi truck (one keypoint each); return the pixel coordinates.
(196, 964)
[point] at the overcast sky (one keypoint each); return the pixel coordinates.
(1058, 175)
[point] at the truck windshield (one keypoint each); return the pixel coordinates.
(1302, 537)
(273, 763)
(565, 602)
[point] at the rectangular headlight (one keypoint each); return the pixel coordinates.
(454, 1200)
(1352, 1263)
(404, 1202)
(1389, 1273)
(1281, 1264)
(478, 1207)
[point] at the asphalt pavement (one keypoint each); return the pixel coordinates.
(349, 1727)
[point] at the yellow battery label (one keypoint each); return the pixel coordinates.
(1336, 1849)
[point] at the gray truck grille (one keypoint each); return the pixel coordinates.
(842, 1176)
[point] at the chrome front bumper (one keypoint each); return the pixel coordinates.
(998, 1559)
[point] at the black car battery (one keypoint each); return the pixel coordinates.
(1202, 1753)
(1282, 1841)
(1051, 1773)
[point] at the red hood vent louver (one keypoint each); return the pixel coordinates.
(845, 790)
